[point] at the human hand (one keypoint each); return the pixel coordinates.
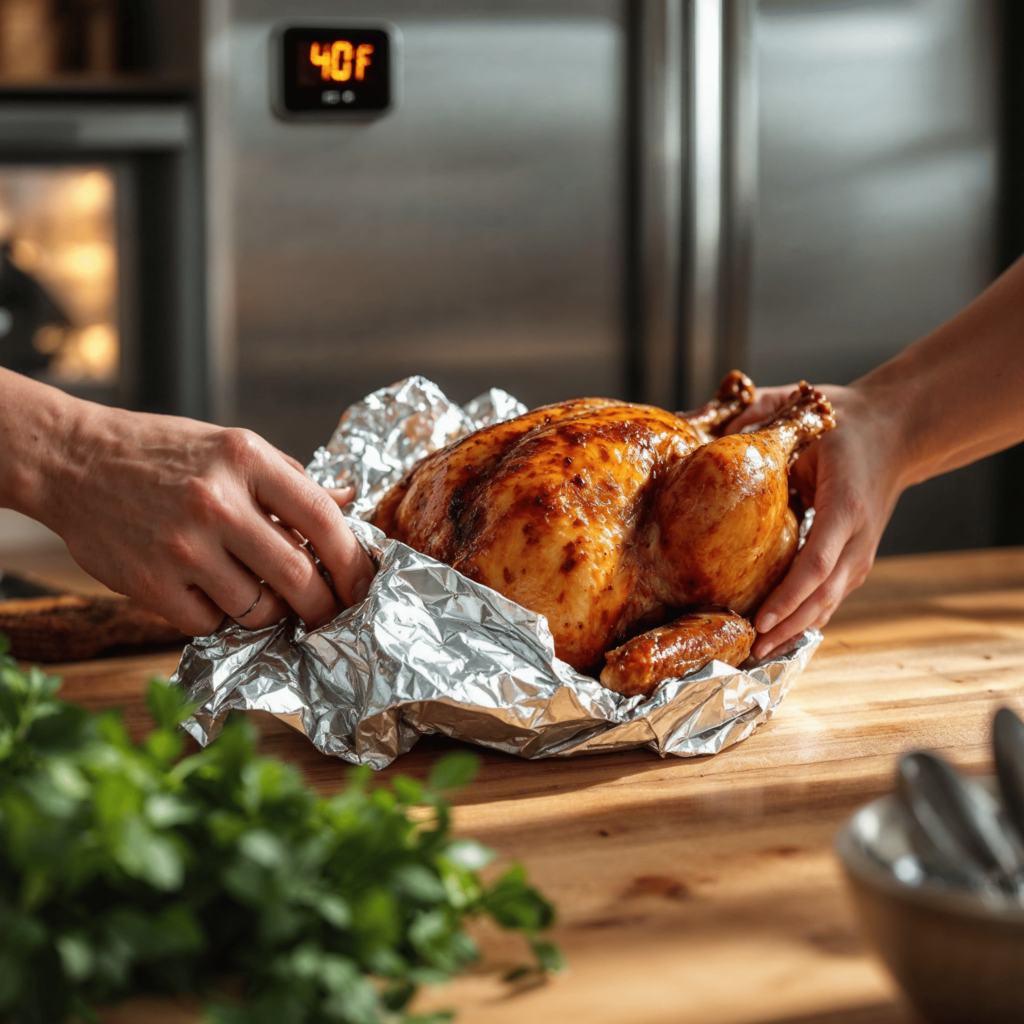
(187, 518)
(852, 477)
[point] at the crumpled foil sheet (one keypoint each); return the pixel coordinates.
(379, 439)
(430, 651)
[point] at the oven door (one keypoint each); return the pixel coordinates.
(100, 252)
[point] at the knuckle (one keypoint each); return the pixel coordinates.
(295, 571)
(854, 507)
(180, 549)
(202, 499)
(199, 623)
(241, 446)
(822, 620)
(819, 563)
(831, 594)
(858, 577)
(291, 460)
(323, 512)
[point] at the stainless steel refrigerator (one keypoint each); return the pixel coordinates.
(568, 197)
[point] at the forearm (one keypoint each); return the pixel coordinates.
(956, 395)
(38, 425)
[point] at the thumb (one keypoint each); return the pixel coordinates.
(767, 403)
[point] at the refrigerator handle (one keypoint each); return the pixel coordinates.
(696, 108)
(740, 183)
(720, 193)
(659, 137)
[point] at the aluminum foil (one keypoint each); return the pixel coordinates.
(430, 651)
(379, 439)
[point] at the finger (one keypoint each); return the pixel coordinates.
(350, 567)
(816, 611)
(803, 475)
(293, 462)
(341, 496)
(277, 556)
(239, 594)
(308, 508)
(813, 565)
(811, 611)
(167, 588)
(265, 610)
(189, 610)
(768, 402)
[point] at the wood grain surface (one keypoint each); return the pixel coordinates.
(705, 891)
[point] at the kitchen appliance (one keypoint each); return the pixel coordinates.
(567, 197)
(104, 284)
(474, 231)
(101, 242)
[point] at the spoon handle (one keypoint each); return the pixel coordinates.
(1008, 747)
(962, 828)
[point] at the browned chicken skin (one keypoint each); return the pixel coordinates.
(611, 519)
(672, 650)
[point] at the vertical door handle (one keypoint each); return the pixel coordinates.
(720, 200)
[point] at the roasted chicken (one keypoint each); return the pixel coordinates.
(644, 537)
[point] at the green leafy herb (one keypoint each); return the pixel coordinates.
(127, 869)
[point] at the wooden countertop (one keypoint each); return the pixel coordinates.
(705, 891)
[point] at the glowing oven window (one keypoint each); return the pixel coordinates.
(58, 274)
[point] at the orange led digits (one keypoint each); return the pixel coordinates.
(321, 59)
(334, 71)
(363, 53)
(335, 61)
(341, 70)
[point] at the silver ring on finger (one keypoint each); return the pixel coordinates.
(251, 607)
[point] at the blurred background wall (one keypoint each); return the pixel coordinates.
(878, 203)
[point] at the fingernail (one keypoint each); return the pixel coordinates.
(766, 622)
(762, 650)
(360, 589)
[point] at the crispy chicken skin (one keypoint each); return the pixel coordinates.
(612, 518)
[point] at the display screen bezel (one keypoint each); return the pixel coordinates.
(293, 101)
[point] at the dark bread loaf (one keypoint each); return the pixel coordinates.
(66, 627)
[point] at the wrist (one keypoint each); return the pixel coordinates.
(890, 410)
(37, 426)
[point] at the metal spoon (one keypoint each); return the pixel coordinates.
(1008, 747)
(963, 828)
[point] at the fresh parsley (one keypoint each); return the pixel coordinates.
(126, 869)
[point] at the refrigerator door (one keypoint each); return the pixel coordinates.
(876, 205)
(472, 233)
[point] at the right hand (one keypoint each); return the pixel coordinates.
(852, 477)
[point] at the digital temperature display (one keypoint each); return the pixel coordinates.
(335, 70)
